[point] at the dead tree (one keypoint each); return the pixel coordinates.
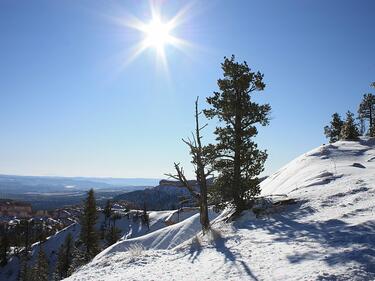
(201, 159)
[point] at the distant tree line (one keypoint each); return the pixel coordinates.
(351, 128)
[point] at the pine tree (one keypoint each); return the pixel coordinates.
(239, 161)
(89, 235)
(334, 130)
(113, 235)
(145, 216)
(25, 272)
(40, 271)
(4, 248)
(79, 259)
(64, 258)
(107, 212)
(349, 129)
(115, 217)
(59, 271)
(366, 112)
(25, 235)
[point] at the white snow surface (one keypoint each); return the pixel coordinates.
(129, 228)
(329, 234)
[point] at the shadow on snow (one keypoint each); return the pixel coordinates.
(344, 243)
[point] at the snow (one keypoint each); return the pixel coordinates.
(129, 229)
(328, 234)
(50, 247)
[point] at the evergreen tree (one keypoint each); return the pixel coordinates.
(89, 235)
(107, 212)
(64, 258)
(349, 129)
(79, 259)
(40, 270)
(333, 131)
(145, 216)
(113, 235)
(25, 234)
(115, 217)
(366, 112)
(59, 271)
(25, 272)
(4, 248)
(239, 161)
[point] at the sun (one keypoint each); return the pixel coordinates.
(157, 34)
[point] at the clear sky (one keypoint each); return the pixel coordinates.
(73, 104)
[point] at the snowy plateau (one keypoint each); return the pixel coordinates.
(316, 223)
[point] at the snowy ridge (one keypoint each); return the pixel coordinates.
(328, 234)
(165, 238)
(129, 229)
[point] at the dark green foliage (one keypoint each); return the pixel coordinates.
(115, 217)
(4, 249)
(79, 259)
(145, 217)
(113, 235)
(40, 269)
(89, 235)
(366, 112)
(25, 234)
(239, 161)
(349, 129)
(333, 131)
(25, 272)
(64, 258)
(107, 212)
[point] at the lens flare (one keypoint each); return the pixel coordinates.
(156, 33)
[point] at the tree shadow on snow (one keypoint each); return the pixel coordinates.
(195, 249)
(219, 244)
(343, 243)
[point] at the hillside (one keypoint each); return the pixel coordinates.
(327, 232)
(129, 228)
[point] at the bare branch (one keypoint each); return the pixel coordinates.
(182, 179)
(201, 128)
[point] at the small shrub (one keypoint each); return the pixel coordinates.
(135, 250)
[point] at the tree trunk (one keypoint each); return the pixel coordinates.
(371, 122)
(201, 176)
(203, 204)
(236, 189)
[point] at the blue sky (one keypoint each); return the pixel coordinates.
(71, 106)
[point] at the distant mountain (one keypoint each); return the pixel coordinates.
(10, 183)
(54, 192)
(167, 195)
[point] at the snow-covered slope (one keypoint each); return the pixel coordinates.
(129, 228)
(328, 234)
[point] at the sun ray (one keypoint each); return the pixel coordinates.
(156, 35)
